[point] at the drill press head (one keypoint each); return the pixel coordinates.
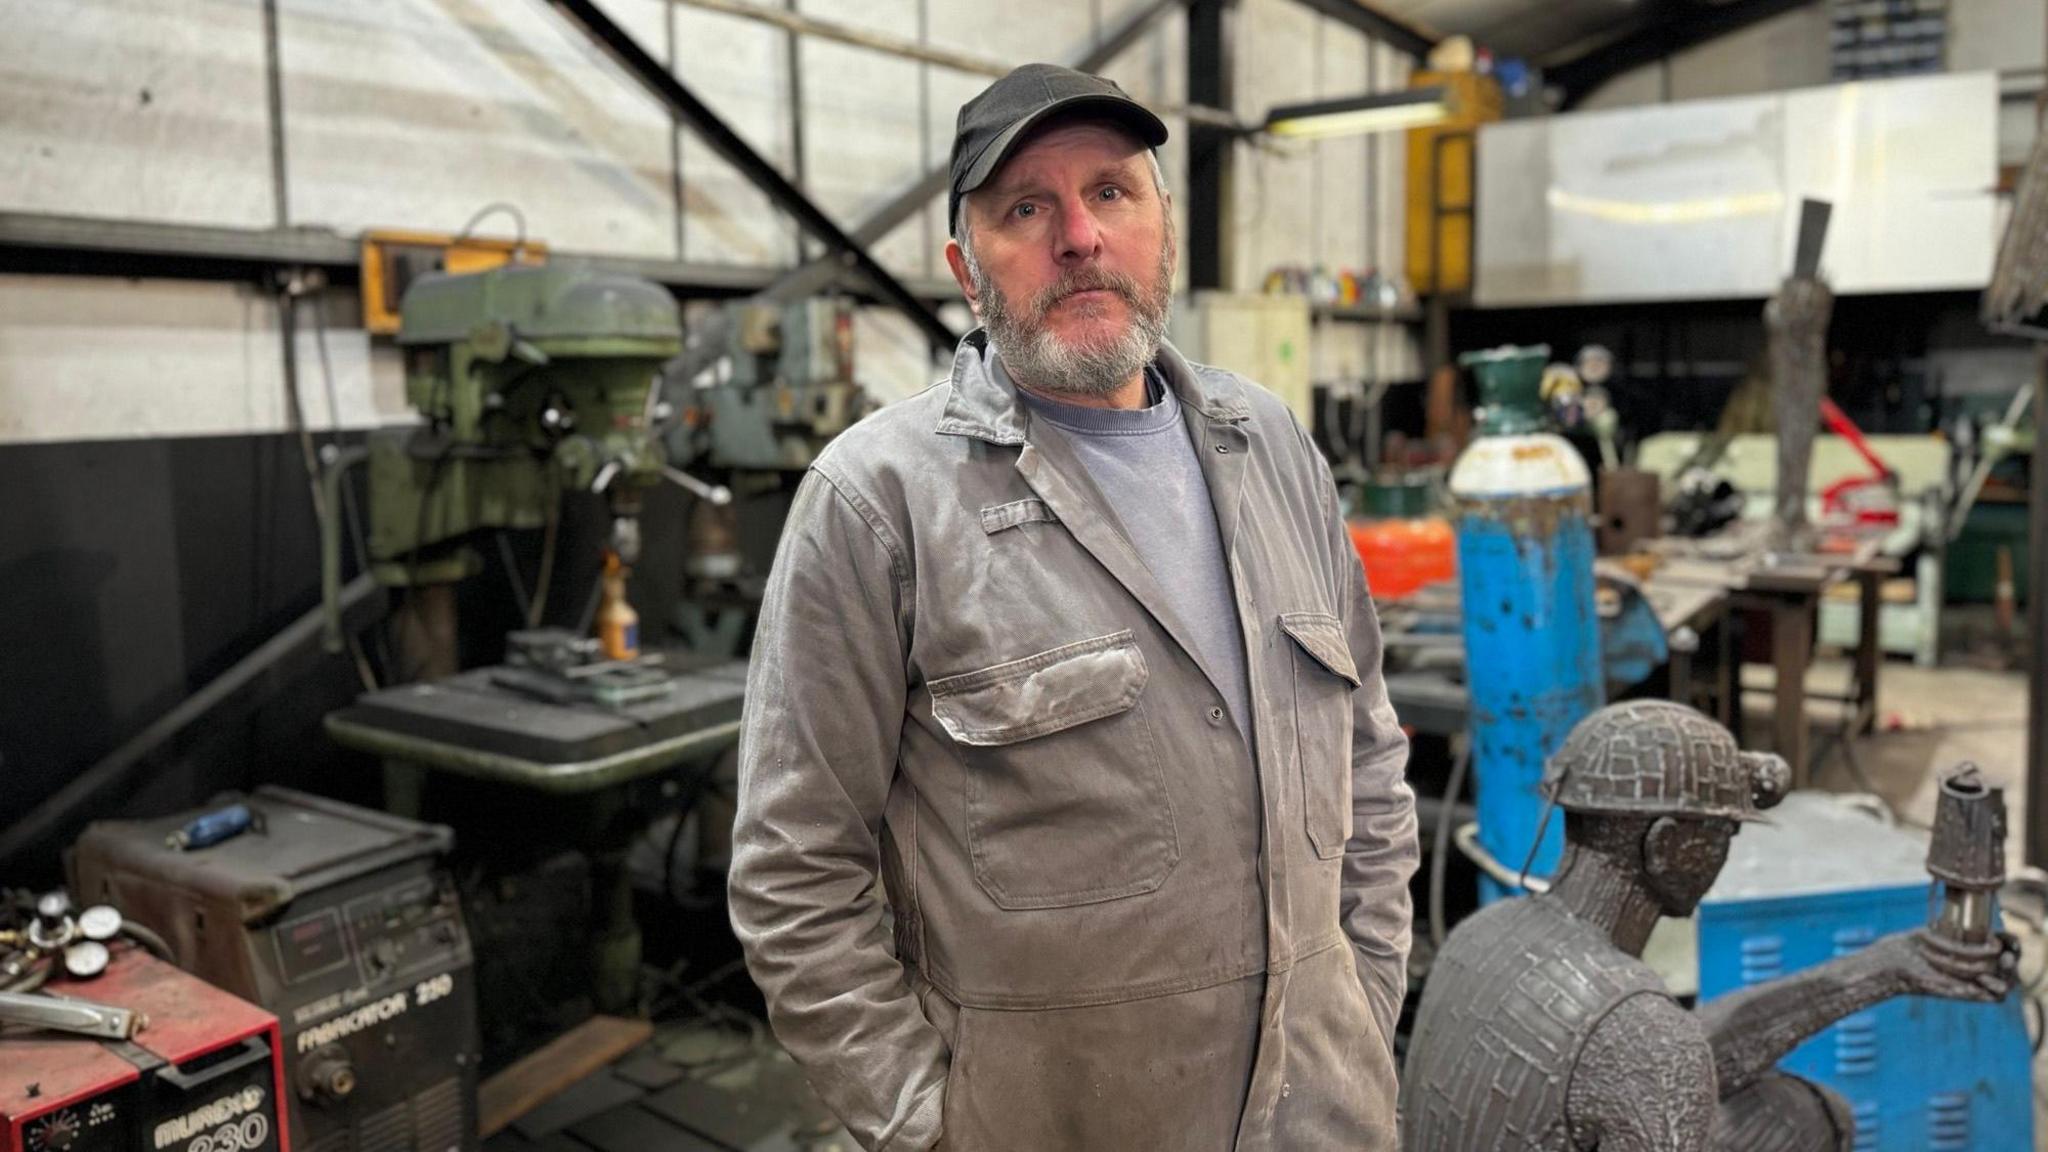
(531, 380)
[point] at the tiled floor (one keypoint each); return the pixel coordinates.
(694, 1087)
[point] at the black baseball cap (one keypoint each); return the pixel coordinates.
(992, 123)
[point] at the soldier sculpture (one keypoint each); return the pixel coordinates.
(1543, 1031)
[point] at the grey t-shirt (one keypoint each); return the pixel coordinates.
(1146, 467)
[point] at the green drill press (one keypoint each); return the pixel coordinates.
(531, 380)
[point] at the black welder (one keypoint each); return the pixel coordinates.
(344, 923)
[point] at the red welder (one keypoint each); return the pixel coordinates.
(202, 1073)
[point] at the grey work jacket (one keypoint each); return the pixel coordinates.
(1111, 921)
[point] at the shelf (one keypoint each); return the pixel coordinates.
(1408, 313)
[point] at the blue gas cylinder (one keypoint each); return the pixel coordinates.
(1523, 498)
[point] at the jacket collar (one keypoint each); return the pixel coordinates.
(984, 403)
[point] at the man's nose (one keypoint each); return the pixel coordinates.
(1080, 234)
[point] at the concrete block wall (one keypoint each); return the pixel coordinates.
(1338, 202)
(417, 113)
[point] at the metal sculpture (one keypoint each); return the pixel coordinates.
(1543, 1031)
(1797, 320)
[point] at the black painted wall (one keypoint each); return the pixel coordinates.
(1677, 364)
(133, 572)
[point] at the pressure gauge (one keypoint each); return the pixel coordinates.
(100, 922)
(85, 959)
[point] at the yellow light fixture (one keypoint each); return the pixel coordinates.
(1357, 115)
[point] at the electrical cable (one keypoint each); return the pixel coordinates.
(150, 941)
(1844, 741)
(2023, 904)
(668, 856)
(1440, 849)
(288, 323)
(494, 207)
(1466, 837)
(694, 790)
(351, 516)
(512, 577)
(419, 533)
(550, 537)
(589, 616)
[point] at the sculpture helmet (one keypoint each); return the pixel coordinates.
(1655, 758)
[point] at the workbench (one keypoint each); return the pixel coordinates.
(1787, 588)
(577, 766)
(471, 725)
(1429, 694)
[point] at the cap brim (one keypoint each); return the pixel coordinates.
(1126, 112)
(1623, 810)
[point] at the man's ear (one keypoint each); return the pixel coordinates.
(956, 259)
(1661, 847)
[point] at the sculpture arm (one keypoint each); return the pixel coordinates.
(1644, 1081)
(1753, 1029)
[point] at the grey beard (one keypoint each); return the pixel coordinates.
(1040, 360)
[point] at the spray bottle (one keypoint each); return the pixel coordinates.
(618, 625)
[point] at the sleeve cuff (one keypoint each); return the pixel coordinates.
(923, 1127)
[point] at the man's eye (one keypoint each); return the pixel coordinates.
(1111, 192)
(1023, 210)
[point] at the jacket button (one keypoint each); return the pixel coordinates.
(1223, 447)
(1215, 714)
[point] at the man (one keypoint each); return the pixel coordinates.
(1543, 1031)
(1073, 655)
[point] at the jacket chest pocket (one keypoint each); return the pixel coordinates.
(1324, 678)
(1066, 797)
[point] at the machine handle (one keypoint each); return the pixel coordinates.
(254, 1050)
(1838, 421)
(717, 494)
(60, 1014)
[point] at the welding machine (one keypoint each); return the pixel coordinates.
(203, 1074)
(344, 923)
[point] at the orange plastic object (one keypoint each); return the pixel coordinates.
(1403, 555)
(618, 625)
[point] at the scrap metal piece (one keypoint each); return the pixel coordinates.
(1813, 236)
